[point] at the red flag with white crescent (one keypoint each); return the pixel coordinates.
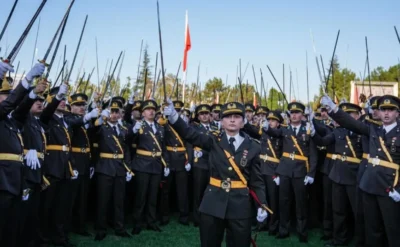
(188, 43)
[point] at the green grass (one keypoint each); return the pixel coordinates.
(176, 235)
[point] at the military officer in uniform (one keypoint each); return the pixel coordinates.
(112, 171)
(271, 152)
(323, 128)
(215, 114)
(58, 167)
(179, 168)
(80, 153)
(249, 113)
(347, 157)
(34, 139)
(296, 169)
(235, 174)
(380, 179)
(12, 185)
(201, 164)
(149, 162)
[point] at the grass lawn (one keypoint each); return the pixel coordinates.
(176, 235)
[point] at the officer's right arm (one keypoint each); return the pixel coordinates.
(252, 130)
(10, 103)
(320, 128)
(277, 132)
(350, 123)
(191, 135)
(324, 141)
(49, 110)
(128, 112)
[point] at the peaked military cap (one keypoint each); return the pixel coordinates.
(262, 110)
(158, 110)
(119, 98)
(232, 108)
(149, 104)
(116, 104)
(137, 105)
(374, 102)
(249, 107)
(349, 107)
(186, 112)
(178, 105)
(203, 108)
(78, 98)
(296, 107)
(275, 115)
(216, 107)
(388, 102)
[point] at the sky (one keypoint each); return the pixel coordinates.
(222, 32)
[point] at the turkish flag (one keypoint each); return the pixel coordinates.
(188, 43)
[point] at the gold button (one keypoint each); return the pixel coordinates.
(230, 168)
(228, 179)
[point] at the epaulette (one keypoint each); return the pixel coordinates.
(216, 133)
(373, 121)
(123, 127)
(214, 128)
(258, 141)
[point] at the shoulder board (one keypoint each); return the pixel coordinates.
(255, 140)
(123, 127)
(373, 121)
(216, 133)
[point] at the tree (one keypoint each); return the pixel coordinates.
(145, 66)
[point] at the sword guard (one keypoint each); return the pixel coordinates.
(44, 62)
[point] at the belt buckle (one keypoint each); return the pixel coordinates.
(83, 150)
(153, 154)
(344, 158)
(226, 185)
(21, 158)
(375, 161)
(174, 149)
(291, 156)
(265, 158)
(64, 148)
(334, 156)
(41, 155)
(115, 156)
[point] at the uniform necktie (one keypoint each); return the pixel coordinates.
(151, 126)
(115, 130)
(295, 130)
(231, 141)
(384, 132)
(207, 128)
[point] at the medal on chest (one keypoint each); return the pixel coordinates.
(243, 161)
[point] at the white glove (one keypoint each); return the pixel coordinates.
(93, 105)
(265, 125)
(131, 100)
(308, 180)
(93, 114)
(395, 195)
(62, 91)
(137, 126)
(91, 172)
(32, 160)
(170, 111)
(166, 172)
(327, 101)
(36, 71)
(310, 126)
(25, 195)
(4, 68)
(76, 173)
(192, 108)
(277, 180)
(105, 113)
(261, 215)
(128, 176)
(188, 167)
